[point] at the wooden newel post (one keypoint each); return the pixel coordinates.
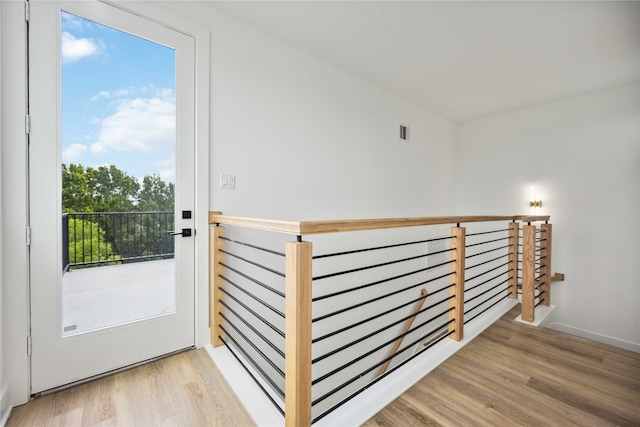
(458, 244)
(545, 271)
(216, 244)
(298, 335)
(513, 260)
(528, 272)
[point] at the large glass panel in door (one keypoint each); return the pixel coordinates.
(118, 171)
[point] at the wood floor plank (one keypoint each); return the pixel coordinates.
(411, 414)
(514, 374)
(616, 365)
(69, 418)
(574, 371)
(186, 389)
(441, 409)
(587, 401)
(452, 404)
(513, 383)
(491, 398)
(101, 402)
(538, 405)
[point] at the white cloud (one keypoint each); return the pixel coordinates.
(74, 49)
(129, 92)
(146, 125)
(168, 168)
(168, 175)
(123, 92)
(101, 95)
(167, 163)
(74, 22)
(73, 153)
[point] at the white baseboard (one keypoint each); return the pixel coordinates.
(255, 402)
(368, 403)
(542, 314)
(5, 406)
(593, 336)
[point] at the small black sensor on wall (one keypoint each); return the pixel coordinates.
(404, 133)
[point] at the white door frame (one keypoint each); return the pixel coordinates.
(15, 370)
(202, 155)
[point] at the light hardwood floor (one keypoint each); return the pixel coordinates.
(186, 389)
(512, 374)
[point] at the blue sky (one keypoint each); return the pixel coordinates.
(118, 100)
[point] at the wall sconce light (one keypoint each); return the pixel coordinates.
(535, 200)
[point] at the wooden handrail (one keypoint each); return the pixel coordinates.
(302, 228)
(287, 227)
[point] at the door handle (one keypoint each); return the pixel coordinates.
(186, 232)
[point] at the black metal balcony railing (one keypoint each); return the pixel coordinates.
(106, 238)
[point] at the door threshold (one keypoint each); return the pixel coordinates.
(108, 373)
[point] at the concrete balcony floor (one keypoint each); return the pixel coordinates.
(100, 297)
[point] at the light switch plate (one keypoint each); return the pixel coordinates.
(227, 181)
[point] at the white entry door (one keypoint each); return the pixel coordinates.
(111, 173)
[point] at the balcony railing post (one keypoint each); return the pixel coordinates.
(458, 244)
(513, 260)
(545, 271)
(528, 272)
(65, 242)
(298, 334)
(216, 284)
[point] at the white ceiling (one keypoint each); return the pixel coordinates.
(463, 60)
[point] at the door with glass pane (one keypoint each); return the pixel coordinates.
(111, 190)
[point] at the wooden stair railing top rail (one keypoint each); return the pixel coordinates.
(302, 228)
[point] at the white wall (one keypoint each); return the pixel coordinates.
(583, 156)
(309, 141)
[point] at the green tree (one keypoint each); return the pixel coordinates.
(111, 189)
(155, 195)
(75, 191)
(87, 242)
